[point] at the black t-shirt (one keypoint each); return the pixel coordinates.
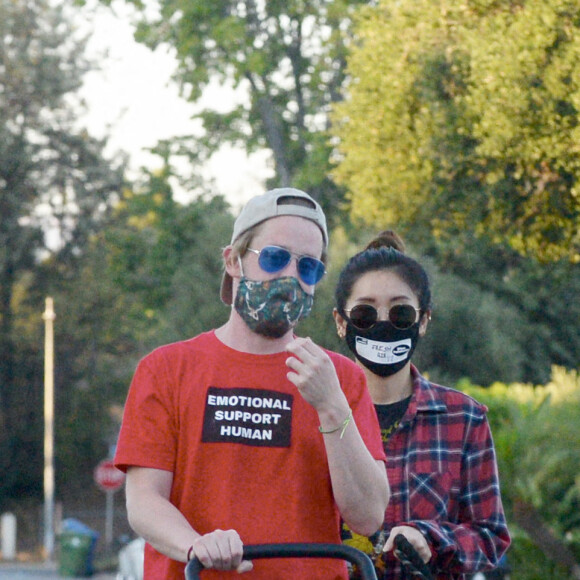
(389, 416)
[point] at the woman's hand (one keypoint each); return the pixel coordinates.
(416, 539)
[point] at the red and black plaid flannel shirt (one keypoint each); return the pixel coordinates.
(443, 475)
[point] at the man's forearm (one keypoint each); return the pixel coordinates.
(153, 516)
(359, 482)
(162, 525)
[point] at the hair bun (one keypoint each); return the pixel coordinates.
(387, 239)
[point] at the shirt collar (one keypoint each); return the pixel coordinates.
(425, 397)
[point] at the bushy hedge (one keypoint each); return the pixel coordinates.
(537, 438)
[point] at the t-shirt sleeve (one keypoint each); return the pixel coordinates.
(148, 434)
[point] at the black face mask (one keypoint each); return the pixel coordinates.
(383, 349)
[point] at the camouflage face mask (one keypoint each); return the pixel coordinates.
(272, 307)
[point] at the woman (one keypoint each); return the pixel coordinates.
(441, 463)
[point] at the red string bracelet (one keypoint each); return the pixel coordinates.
(189, 553)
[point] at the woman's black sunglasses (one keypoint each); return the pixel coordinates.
(401, 316)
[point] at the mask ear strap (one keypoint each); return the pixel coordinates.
(241, 267)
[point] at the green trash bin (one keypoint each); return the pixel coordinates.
(75, 554)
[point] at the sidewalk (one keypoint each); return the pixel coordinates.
(41, 571)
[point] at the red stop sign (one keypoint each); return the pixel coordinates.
(107, 476)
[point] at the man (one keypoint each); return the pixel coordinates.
(248, 434)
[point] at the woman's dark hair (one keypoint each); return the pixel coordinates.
(385, 252)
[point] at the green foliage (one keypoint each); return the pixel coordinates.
(194, 304)
(460, 130)
(538, 446)
(168, 257)
(462, 120)
(537, 300)
(472, 333)
(529, 563)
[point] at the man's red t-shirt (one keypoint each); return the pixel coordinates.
(244, 448)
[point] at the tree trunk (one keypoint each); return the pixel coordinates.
(275, 140)
(528, 518)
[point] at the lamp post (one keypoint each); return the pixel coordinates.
(48, 316)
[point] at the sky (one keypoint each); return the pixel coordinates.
(133, 99)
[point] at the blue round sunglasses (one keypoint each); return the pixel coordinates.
(274, 258)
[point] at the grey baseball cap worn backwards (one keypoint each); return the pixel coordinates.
(274, 203)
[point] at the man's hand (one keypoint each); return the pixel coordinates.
(313, 374)
(221, 550)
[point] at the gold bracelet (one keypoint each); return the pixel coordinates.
(342, 427)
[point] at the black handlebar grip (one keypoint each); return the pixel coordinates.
(410, 559)
(299, 550)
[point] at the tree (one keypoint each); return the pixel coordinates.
(54, 182)
(462, 120)
(286, 59)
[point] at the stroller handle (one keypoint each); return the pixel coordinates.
(298, 550)
(410, 559)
